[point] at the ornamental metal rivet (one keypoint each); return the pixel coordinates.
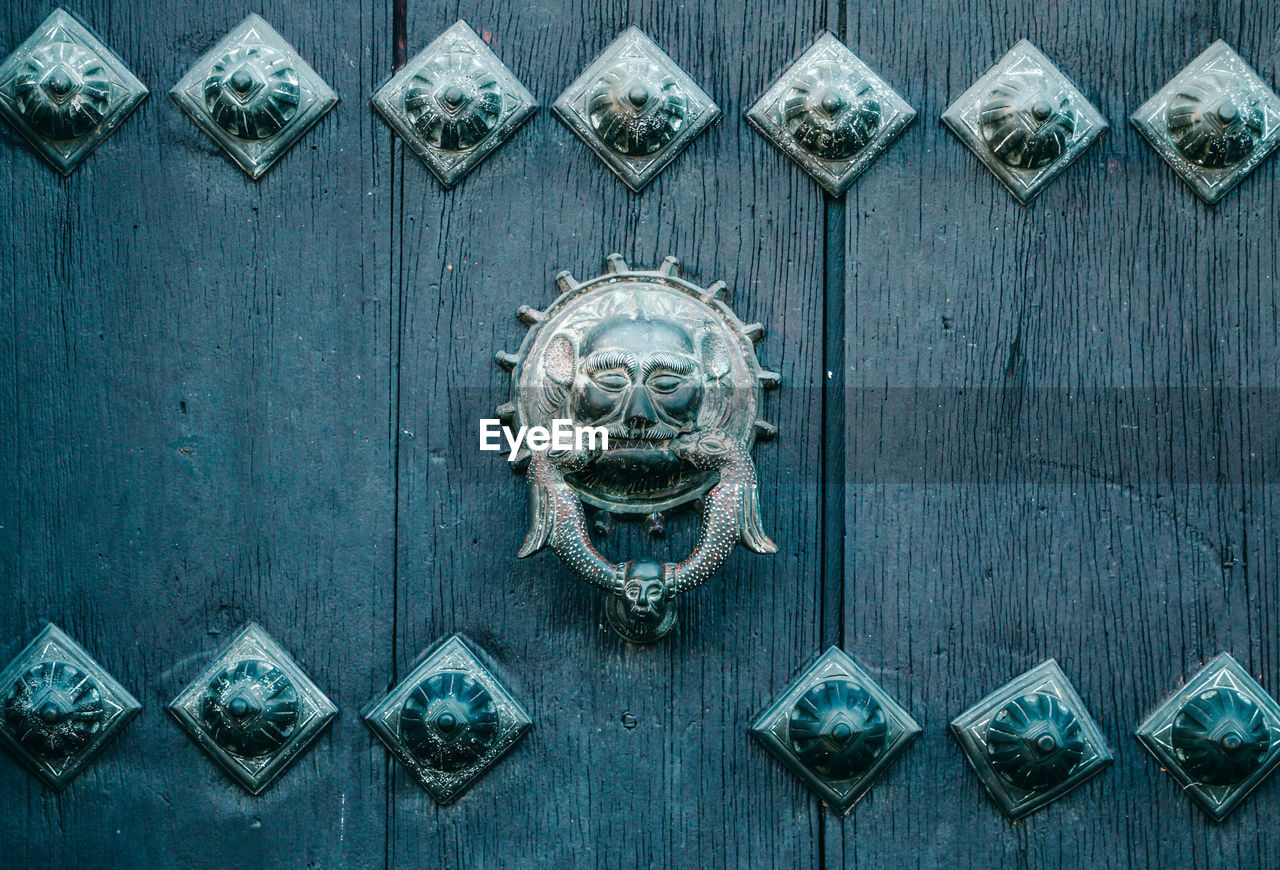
(836, 729)
(60, 707)
(1218, 736)
(635, 108)
(1025, 121)
(253, 709)
(254, 95)
(670, 373)
(1032, 740)
(831, 114)
(454, 103)
(65, 91)
(449, 720)
(1213, 123)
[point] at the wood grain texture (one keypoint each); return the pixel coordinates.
(685, 786)
(197, 378)
(223, 400)
(1050, 451)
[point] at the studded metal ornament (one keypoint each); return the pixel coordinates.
(831, 114)
(1218, 736)
(836, 729)
(635, 108)
(59, 707)
(671, 373)
(1213, 123)
(1031, 741)
(253, 709)
(65, 91)
(1025, 121)
(254, 95)
(1034, 741)
(454, 103)
(449, 720)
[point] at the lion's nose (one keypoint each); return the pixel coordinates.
(639, 413)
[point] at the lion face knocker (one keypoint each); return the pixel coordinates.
(670, 374)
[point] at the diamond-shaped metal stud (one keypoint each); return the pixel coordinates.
(831, 114)
(836, 729)
(254, 95)
(449, 720)
(635, 108)
(1025, 121)
(253, 709)
(1219, 735)
(1031, 741)
(65, 91)
(454, 103)
(1213, 123)
(60, 708)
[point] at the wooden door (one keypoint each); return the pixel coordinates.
(1006, 433)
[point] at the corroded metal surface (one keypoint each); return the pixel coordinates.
(1032, 740)
(1214, 122)
(449, 720)
(59, 707)
(1025, 121)
(253, 709)
(1218, 736)
(254, 95)
(635, 108)
(454, 103)
(670, 373)
(831, 114)
(836, 729)
(65, 91)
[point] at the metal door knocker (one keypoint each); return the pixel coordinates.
(670, 374)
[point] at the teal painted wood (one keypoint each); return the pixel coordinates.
(639, 756)
(228, 401)
(195, 390)
(223, 400)
(1041, 513)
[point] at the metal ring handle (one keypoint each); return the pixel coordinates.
(643, 591)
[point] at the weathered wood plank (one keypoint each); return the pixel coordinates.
(1032, 515)
(222, 400)
(197, 382)
(684, 785)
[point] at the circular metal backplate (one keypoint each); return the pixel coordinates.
(645, 315)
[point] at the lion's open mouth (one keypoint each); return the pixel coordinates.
(634, 469)
(616, 443)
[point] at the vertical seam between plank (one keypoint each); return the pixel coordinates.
(832, 438)
(395, 314)
(833, 418)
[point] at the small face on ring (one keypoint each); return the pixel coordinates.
(640, 377)
(643, 591)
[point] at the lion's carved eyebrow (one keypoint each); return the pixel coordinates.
(672, 362)
(610, 358)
